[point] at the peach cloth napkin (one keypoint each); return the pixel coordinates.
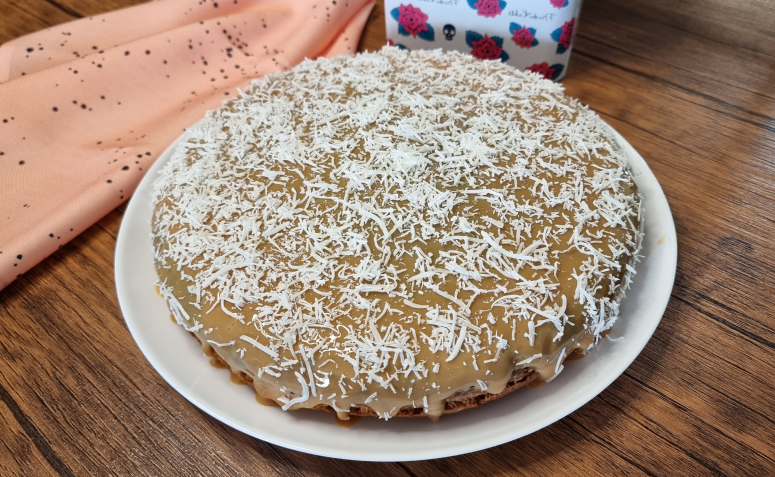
(86, 107)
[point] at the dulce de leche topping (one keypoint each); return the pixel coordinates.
(390, 228)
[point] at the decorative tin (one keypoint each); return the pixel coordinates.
(534, 35)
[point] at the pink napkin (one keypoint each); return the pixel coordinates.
(86, 107)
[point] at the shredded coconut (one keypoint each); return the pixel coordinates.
(365, 208)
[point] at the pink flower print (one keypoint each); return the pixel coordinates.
(523, 37)
(542, 69)
(488, 8)
(412, 19)
(548, 72)
(486, 49)
(567, 33)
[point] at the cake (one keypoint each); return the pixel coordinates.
(396, 233)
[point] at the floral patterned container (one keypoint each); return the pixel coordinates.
(534, 35)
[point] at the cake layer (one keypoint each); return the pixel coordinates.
(388, 230)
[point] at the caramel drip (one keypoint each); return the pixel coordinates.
(266, 401)
(306, 345)
(217, 363)
(237, 379)
(577, 353)
(349, 422)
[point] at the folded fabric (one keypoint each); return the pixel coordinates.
(86, 107)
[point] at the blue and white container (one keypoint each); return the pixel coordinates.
(532, 35)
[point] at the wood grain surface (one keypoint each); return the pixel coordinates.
(691, 84)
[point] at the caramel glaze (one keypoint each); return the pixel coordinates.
(468, 368)
(350, 421)
(455, 376)
(264, 401)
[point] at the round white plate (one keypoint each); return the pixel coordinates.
(180, 361)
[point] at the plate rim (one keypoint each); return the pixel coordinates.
(123, 281)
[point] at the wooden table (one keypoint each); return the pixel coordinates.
(690, 84)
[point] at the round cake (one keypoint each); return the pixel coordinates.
(396, 233)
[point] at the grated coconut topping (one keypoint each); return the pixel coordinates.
(364, 220)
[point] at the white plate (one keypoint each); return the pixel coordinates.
(179, 359)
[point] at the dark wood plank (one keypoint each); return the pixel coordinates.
(96, 400)
(18, 18)
(744, 25)
(373, 37)
(722, 215)
(733, 77)
(19, 454)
